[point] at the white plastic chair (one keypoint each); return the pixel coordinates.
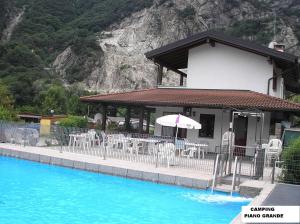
(85, 141)
(111, 142)
(94, 138)
(204, 149)
(167, 151)
(180, 145)
(133, 147)
(273, 148)
(189, 152)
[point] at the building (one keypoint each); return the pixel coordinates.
(229, 82)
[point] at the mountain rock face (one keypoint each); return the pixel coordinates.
(119, 64)
(8, 13)
(14, 18)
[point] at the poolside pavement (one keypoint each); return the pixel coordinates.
(129, 169)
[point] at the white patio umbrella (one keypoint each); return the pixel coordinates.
(178, 121)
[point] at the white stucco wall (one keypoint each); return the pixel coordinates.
(192, 135)
(225, 67)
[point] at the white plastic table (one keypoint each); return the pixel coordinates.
(201, 148)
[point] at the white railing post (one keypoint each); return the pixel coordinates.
(234, 175)
(215, 173)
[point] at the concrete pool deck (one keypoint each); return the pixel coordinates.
(129, 169)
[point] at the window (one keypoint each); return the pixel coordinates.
(208, 125)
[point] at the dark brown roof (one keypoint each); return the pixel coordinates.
(175, 55)
(240, 99)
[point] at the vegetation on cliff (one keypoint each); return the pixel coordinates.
(47, 28)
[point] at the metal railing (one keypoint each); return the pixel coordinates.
(286, 171)
(152, 150)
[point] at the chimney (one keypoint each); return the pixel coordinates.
(276, 46)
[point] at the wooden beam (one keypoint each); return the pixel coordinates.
(177, 71)
(141, 119)
(162, 63)
(127, 118)
(104, 117)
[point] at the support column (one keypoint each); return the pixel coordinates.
(148, 121)
(104, 117)
(113, 111)
(141, 119)
(181, 80)
(127, 118)
(159, 75)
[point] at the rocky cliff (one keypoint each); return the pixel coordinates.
(119, 64)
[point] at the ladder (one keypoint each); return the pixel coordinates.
(218, 170)
(236, 171)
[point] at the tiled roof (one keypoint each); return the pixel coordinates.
(220, 37)
(240, 99)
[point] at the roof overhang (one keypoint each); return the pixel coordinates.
(176, 54)
(196, 98)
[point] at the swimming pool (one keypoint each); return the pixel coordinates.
(31, 192)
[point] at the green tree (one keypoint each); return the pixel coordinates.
(5, 96)
(295, 118)
(55, 99)
(21, 55)
(296, 99)
(6, 114)
(75, 106)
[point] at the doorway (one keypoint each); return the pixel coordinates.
(240, 128)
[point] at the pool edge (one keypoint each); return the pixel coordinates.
(130, 173)
(257, 201)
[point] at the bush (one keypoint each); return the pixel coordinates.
(291, 159)
(74, 121)
(6, 114)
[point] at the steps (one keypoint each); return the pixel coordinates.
(223, 182)
(226, 188)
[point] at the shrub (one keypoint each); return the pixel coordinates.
(291, 159)
(6, 114)
(74, 121)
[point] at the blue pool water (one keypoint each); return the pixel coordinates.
(36, 193)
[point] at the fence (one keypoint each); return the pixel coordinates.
(152, 150)
(286, 170)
